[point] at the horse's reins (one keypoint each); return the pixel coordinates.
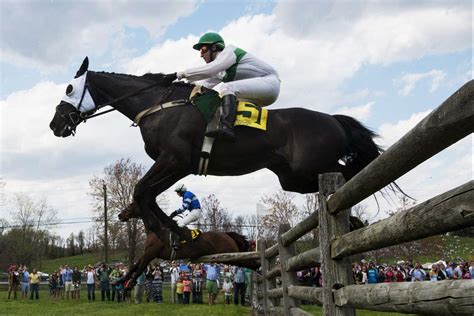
(85, 117)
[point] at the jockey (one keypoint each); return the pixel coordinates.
(190, 209)
(233, 73)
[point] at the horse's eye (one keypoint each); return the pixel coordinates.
(69, 90)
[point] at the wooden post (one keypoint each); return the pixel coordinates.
(287, 278)
(261, 246)
(330, 227)
(272, 273)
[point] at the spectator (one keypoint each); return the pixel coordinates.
(400, 274)
(149, 283)
(186, 290)
(417, 273)
(457, 272)
(227, 289)
(13, 281)
(239, 285)
(60, 292)
(248, 287)
(389, 275)
(198, 276)
(158, 284)
(316, 276)
(442, 270)
(67, 280)
(372, 274)
(25, 283)
(212, 274)
(381, 275)
(118, 288)
(471, 270)
(227, 273)
(174, 273)
(180, 289)
(114, 277)
(103, 274)
(450, 269)
(435, 273)
(139, 288)
(34, 284)
(364, 274)
(356, 274)
(466, 275)
(76, 283)
(53, 285)
(91, 279)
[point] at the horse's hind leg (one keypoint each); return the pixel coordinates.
(290, 181)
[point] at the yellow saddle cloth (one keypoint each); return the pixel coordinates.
(250, 115)
(195, 233)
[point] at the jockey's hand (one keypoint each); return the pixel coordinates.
(172, 215)
(169, 78)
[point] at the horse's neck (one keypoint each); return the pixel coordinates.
(112, 86)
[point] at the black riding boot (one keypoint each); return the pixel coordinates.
(229, 105)
(226, 124)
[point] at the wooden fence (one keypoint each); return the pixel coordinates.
(452, 210)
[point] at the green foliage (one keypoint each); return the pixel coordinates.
(49, 266)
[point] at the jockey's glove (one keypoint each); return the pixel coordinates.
(180, 75)
(172, 215)
(169, 78)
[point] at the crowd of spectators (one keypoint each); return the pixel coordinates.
(370, 272)
(188, 283)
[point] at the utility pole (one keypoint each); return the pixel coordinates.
(105, 224)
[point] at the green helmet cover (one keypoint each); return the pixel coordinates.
(210, 38)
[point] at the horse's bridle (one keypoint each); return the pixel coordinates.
(74, 118)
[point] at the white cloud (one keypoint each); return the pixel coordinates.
(392, 132)
(316, 47)
(46, 35)
(409, 81)
(361, 112)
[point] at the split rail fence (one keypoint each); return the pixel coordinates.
(450, 122)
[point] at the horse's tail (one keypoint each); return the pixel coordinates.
(241, 241)
(361, 147)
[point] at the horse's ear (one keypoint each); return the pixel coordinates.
(83, 69)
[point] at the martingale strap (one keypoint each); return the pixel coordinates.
(158, 107)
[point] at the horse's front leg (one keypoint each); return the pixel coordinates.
(137, 270)
(162, 175)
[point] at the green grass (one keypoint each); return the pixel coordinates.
(46, 306)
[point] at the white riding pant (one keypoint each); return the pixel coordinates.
(189, 217)
(262, 91)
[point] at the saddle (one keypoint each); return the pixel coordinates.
(208, 103)
(195, 234)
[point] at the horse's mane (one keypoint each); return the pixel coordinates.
(240, 240)
(148, 77)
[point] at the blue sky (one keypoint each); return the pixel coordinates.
(386, 63)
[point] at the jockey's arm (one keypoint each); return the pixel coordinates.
(223, 61)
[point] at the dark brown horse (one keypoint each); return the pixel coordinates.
(208, 243)
(298, 145)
